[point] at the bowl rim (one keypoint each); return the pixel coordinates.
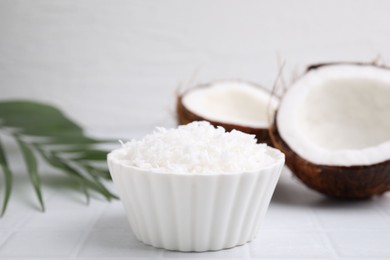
(276, 153)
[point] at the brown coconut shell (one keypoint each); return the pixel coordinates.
(354, 182)
(185, 116)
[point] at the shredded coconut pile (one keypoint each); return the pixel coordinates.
(197, 148)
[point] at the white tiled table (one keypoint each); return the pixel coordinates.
(299, 224)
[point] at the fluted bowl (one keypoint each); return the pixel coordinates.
(195, 212)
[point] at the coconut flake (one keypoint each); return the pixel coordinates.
(196, 148)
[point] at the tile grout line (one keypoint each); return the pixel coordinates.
(325, 235)
(384, 214)
(22, 222)
(88, 231)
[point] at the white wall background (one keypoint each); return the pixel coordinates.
(114, 65)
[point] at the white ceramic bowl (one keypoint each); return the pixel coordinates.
(190, 212)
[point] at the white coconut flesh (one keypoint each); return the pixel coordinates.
(232, 102)
(338, 115)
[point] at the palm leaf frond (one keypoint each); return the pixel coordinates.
(41, 129)
(7, 177)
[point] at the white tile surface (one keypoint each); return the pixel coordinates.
(4, 234)
(113, 217)
(351, 216)
(288, 244)
(40, 243)
(60, 220)
(362, 244)
(297, 218)
(115, 243)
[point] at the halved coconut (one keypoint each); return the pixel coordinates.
(232, 104)
(333, 124)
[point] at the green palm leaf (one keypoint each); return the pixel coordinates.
(7, 177)
(38, 128)
(32, 169)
